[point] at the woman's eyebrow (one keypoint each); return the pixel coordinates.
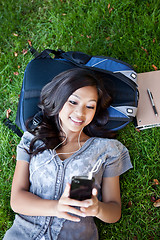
(80, 98)
(75, 95)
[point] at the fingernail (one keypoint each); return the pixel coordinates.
(83, 215)
(86, 205)
(77, 219)
(94, 191)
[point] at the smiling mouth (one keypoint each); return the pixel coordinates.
(77, 121)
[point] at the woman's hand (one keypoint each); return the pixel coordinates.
(66, 206)
(109, 210)
(93, 208)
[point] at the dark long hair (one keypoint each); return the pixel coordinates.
(53, 97)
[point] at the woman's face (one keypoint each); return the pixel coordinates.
(79, 109)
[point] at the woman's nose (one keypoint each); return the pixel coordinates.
(80, 111)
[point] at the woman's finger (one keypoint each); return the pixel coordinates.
(66, 192)
(72, 210)
(71, 218)
(94, 192)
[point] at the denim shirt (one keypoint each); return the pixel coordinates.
(48, 178)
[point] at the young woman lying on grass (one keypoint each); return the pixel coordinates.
(69, 141)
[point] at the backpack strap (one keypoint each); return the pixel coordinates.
(35, 121)
(77, 58)
(34, 52)
(46, 52)
(13, 127)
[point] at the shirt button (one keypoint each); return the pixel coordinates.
(58, 181)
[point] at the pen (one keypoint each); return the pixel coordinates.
(152, 102)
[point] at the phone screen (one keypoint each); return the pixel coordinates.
(81, 188)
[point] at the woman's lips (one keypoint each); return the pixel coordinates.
(76, 121)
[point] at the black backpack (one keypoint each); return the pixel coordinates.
(42, 69)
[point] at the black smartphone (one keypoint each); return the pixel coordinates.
(81, 188)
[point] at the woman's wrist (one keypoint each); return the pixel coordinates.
(109, 212)
(98, 210)
(54, 208)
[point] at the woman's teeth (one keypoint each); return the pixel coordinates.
(76, 120)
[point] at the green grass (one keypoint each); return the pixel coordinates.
(123, 31)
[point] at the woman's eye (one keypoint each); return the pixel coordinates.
(90, 107)
(72, 102)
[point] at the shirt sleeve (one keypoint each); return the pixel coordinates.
(23, 147)
(118, 161)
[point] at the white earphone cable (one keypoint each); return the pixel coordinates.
(95, 168)
(58, 153)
